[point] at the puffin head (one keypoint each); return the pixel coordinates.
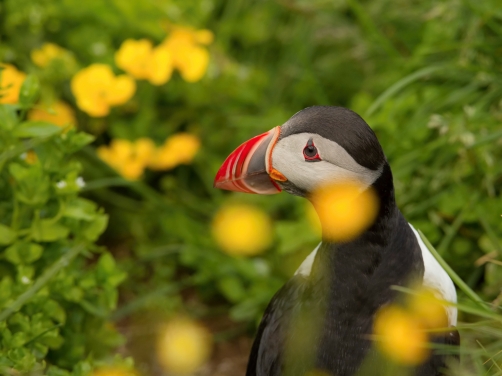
(317, 146)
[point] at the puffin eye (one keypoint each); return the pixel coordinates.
(310, 152)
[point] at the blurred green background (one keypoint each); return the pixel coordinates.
(426, 76)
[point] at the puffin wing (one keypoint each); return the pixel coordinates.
(266, 358)
(436, 278)
(438, 363)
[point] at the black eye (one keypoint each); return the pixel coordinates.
(310, 152)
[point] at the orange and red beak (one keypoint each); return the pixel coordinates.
(249, 168)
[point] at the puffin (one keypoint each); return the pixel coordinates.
(321, 322)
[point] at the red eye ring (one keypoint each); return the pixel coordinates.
(310, 152)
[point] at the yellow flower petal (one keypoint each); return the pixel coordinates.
(113, 371)
(183, 346)
(177, 149)
(204, 36)
(188, 57)
(132, 170)
(10, 83)
(31, 157)
(144, 150)
(192, 63)
(58, 113)
(45, 54)
(121, 149)
(242, 230)
(121, 90)
(428, 309)
(400, 336)
(345, 210)
(134, 57)
(96, 89)
(161, 66)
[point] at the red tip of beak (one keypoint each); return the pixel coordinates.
(245, 170)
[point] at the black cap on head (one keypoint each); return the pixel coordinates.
(341, 125)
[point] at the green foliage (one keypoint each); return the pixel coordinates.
(50, 297)
(425, 75)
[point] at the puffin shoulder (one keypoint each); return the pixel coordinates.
(436, 278)
(267, 350)
(306, 266)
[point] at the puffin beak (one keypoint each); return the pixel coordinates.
(249, 168)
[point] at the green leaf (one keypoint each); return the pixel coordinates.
(23, 253)
(36, 129)
(77, 140)
(8, 117)
(18, 340)
(47, 230)
(7, 235)
(34, 185)
(55, 311)
(81, 208)
(232, 288)
(95, 228)
(30, 90)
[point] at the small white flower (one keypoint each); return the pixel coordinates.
(23, 156)
(467, 138)
(80, 182)
(98, 48)
(25, 280)
(261, 266)
(61, 184)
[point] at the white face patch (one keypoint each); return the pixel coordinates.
(336, 164)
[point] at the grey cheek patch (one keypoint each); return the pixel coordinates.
(336, 165)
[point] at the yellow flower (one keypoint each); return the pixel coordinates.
(177, 149)
(59, 113)
(10, 83)
(183, 346)
(400, 336)
(242, 230)
(30, 157)
(96, 88)
(187, 55)
(142, 61)
(345, 210)
(427, 308)
(128, 158)
(113, 371)
(45, 54)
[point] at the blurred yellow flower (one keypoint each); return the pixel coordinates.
(45, 54)
(128, 158)
(10, 83)
(183, 346)
(30, 157)
(113, 371)
(428, 309)
(142, 61)
(59, 113)
(400, 336)
(177, 149)
(345, 210)
(96, 88)
(242, 230)
(187, 55)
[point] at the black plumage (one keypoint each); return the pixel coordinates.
(323, 320)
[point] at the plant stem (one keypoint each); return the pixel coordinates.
(454, 276)
(402, 83)
(50, 272)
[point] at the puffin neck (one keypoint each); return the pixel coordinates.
(387, 245)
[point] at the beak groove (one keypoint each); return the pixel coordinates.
(247, 168)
